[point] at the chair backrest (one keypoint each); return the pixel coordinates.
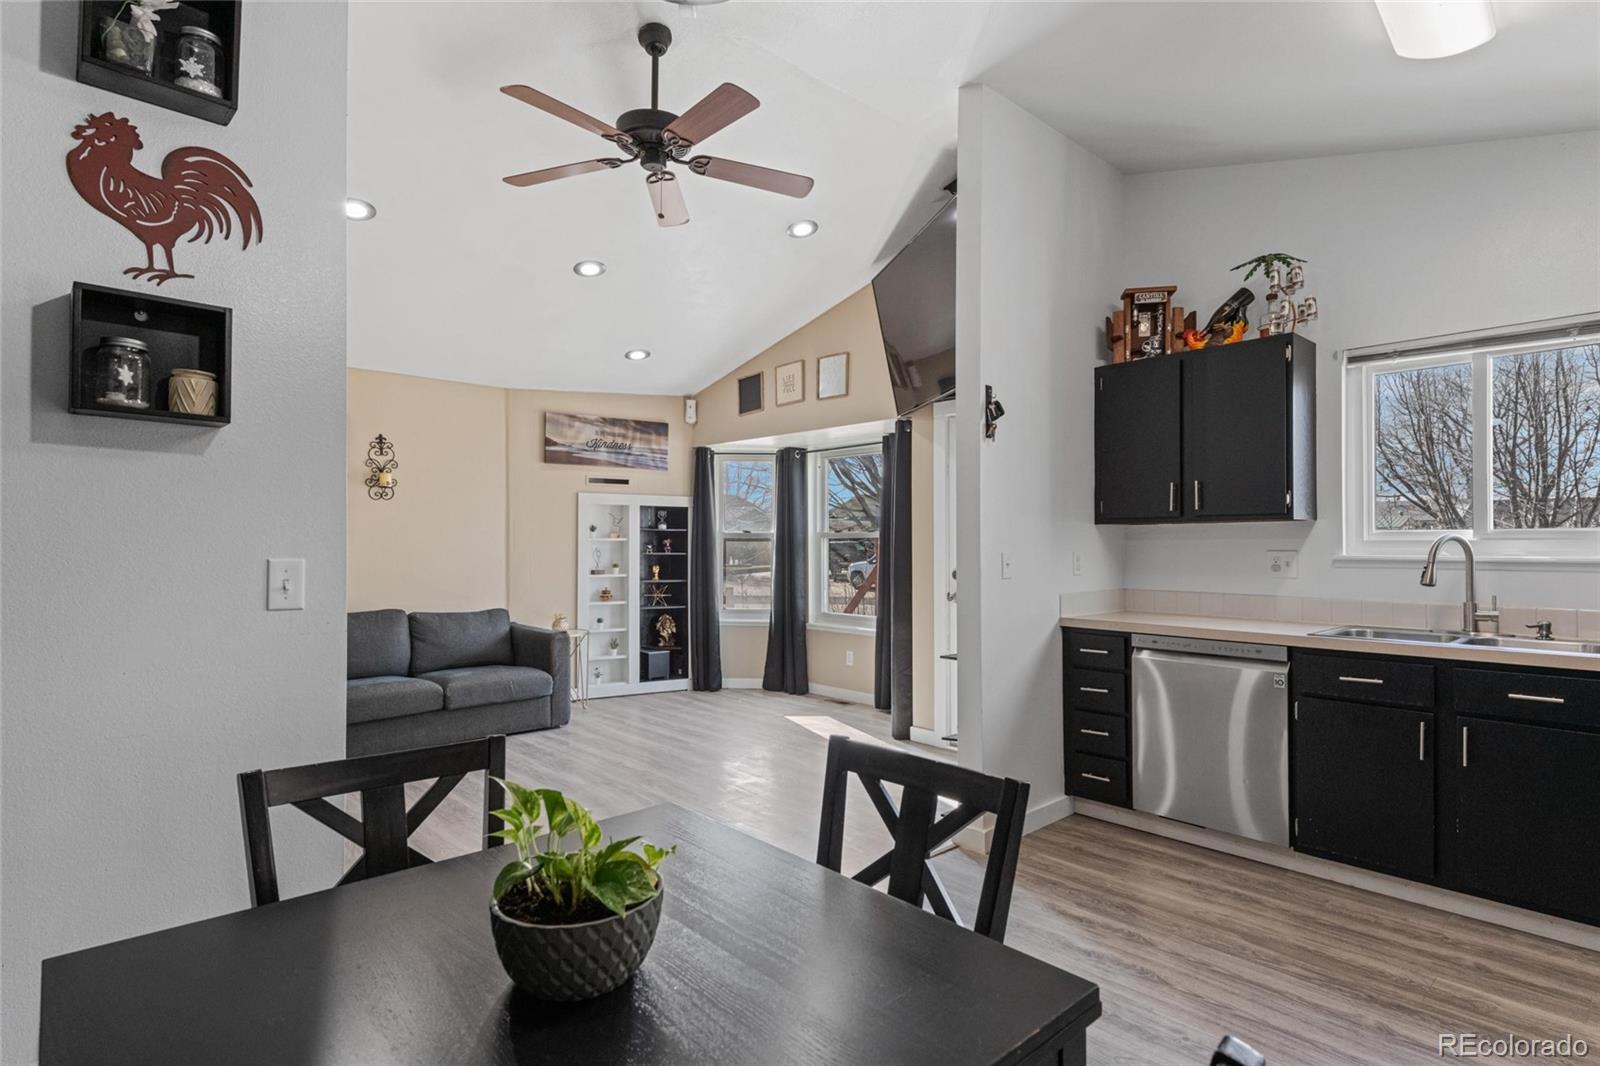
(385, 824)
(918, 828)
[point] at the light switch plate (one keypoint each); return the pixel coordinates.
(1005, 566)
(286, 584)
(1283, 564)
(1077, 564)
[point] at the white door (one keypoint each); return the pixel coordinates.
(944, 575)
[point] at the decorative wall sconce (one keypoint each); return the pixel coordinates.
(381, 465)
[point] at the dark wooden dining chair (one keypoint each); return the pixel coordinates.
(385, 825)
(918, 828)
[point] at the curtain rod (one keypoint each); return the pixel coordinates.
(1570, 330)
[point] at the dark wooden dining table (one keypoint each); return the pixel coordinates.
(761, 958)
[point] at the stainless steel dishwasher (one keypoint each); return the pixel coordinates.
(1211, 734)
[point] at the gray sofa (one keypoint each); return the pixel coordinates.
(437, 678)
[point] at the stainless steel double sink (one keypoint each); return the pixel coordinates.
(1480, 640)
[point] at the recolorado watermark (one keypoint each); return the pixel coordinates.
(1510, 1045)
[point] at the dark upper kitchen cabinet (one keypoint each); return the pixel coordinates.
(1363, 785)
(1527, 808)
(1137, 445)
(1240, 446)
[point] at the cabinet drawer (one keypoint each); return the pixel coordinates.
(1391, 681)
(1096, 690)
(1093, 777)
(1096, 651)
(1552, 698)
(1098, 734)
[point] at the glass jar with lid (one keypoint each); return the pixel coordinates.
(122, 373)
(199, 60)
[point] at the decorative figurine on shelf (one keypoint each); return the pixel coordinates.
(606, 595)
(666, 545)
(595, 555)
(661, 520)
(666, 631)
(616, 526)
(655, 571)
(559, 622)
(1148, 324)
(1226, 325)
(655, 596)
(596, 673)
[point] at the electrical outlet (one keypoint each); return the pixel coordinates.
(1284, 564)
(286, 584)
(1005, 566)
(1077, 564)
(849, 658)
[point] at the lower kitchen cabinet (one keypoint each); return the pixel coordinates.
(1528, 815)
(1364, 785)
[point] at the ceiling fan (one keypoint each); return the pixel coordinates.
(657, 139)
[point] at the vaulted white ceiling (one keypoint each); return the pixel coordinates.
(461, 276)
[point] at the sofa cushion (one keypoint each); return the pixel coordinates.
(379, 644)
(445, 640)
(372, 699)
(476, 686)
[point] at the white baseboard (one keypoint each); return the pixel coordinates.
(976, 837)
(741, 682)
(930, 737)
(1443, 899)
(844, 695)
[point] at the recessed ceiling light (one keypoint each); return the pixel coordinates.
(635, 355)
(803, 228)
(358, 210)
(588, 268)
(1434, 29)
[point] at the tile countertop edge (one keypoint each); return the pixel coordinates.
(1300, 635)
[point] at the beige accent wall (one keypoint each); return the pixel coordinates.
(543, 497)
(849, 326)
(440, 543)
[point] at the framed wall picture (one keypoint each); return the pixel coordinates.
(750, 394)
(833, 376)
(789, 383)
(591, 440)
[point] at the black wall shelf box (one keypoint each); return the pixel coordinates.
(218, 16)
(179, 333)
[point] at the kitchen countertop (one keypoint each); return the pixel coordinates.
(1300, 635)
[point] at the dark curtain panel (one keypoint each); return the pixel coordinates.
(705, 597)
(786, 635)
(892, 653)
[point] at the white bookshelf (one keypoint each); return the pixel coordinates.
(624, 570)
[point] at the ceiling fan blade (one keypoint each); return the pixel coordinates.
(667, 198)
(560, 110)
(779, 181)
(722, 106)
(539, 177)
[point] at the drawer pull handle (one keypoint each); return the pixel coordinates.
(1093, 651)
(1463, 745)
(1097, 691)
(1362, 680)
(1422, 741)
(1096, 777)
(1095, 732)
(1526, 698)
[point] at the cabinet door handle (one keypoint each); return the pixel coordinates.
(1422, 741)
(1172, 496)
(1095, 732)
(1463, 745)
(1362, 680)
(1197, 494)
(1096, 691)
(1526, 698)
(1096, 777)
(1093, 651)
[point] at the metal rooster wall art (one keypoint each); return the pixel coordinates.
(199, 193)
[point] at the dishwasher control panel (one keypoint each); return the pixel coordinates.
(1226, 649)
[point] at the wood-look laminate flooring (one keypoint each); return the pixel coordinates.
(1186, 944)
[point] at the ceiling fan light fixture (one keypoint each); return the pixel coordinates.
(358, 210)
(636, 355)
(1434, 29)
(588, 268)
(801, 228)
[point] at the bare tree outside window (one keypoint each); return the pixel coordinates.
(1422, 446)
(854, 489)
(1547, 439)
(744, 505)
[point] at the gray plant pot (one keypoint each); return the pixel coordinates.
(571, 962)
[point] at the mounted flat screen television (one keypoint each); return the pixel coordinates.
(916, 295)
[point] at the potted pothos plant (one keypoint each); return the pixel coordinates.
(573, 915)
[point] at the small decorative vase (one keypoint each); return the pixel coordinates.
(122, 373)
(559, 622)
(573, 962)
(122, 43)
(192, 392)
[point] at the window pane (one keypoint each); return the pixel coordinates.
(747, 575)
(855, 485)
(746, 496)
(1547, 439)
(853, 576)
(1422, 437)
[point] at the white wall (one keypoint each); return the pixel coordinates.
(1399, 245)
(1034, 261)
(141, 670)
